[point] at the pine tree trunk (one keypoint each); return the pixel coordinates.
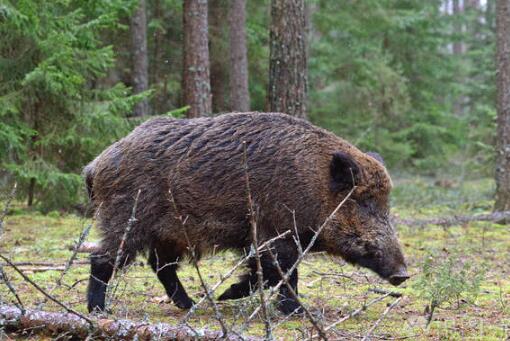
(458, 47)
(503, 106)
(239, 93)
(140, 58)
(196, 86)
(287, 60)
(157, 76)
(473, 4)
(218, 51)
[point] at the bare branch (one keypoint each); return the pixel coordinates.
(191, 248)
(83, 235)
(371, 330)
(322, 334)
(274, 289)
(254, 240)
(9, 285)
(42, 291)
(230, 272)
(118, 258)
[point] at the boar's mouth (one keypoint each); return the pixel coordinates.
(395, 275)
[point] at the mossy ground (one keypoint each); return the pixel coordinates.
(328, 287)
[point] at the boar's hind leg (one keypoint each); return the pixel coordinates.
(101, 270)
(286, 256)
(164, 264)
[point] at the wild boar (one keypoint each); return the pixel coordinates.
(197, 168)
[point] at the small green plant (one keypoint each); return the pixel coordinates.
(448, 280)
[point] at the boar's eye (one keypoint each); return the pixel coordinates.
(344, 172)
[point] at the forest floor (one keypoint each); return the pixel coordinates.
(331, 289)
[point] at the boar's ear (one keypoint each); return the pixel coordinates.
(344, 172)
(376, 156)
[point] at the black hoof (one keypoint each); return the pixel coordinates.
(290, 308)
(233, 293)
(95, 306)
(184, 304)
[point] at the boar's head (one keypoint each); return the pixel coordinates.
(361, 231)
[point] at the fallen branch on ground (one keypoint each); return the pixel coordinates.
(50, 322)
(44, 264)
(85, 247)
(33, 269)
(454, 219)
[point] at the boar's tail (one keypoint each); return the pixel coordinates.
(88, 173)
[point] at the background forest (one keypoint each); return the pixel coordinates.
(412, 80)
(425, 83)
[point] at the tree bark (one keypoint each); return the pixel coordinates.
(287, 58)
(458, 47)
(472, 4)
(37, 321)
(140, 57)
(503, 106)
(196, 86)
(218, 51)
(239, 93)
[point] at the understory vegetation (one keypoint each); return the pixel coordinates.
(461, 272)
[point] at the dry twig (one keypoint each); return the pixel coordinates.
(191, 248)
(42, 291)
(316, 325)
(110, 293)
(391, 306)
(254, 240)
(274, 289)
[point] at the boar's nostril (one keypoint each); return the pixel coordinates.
(398, 279)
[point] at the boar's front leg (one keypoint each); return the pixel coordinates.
(163, 260)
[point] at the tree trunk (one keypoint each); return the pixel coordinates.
(458, 47)
(157, 78)
(140, 58)
(239, 94)
(287, 58)
(196, 86)
(218, 51)
(503, 106)
(472, 4)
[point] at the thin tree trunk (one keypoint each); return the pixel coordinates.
(239, 93)
(472, 4)
(31, 192)
(140, 58)
(503, 106)
(196, 86)
(288, 60)
(458, 47)
(157, 76)
(218, 51)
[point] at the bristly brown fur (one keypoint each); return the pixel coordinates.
(201, 162)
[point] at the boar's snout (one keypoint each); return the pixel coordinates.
(399, 277)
